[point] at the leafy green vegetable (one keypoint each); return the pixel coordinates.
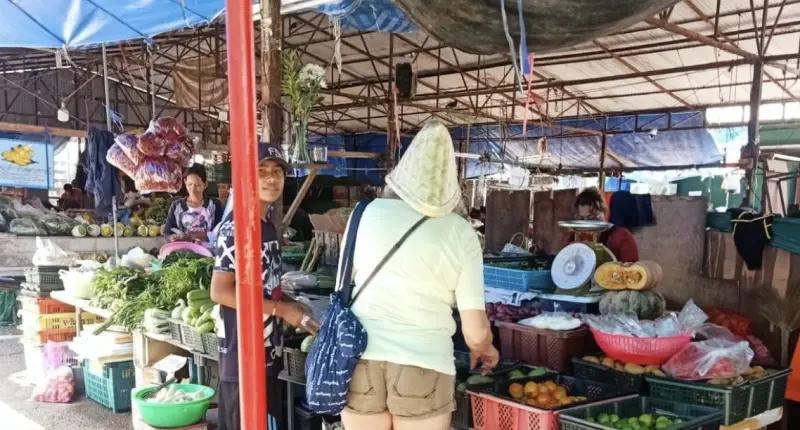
(179, 256)
(129, 293)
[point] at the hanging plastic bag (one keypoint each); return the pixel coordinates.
(129, 143)
(714, 358)
(180, 152)
(168, 128)
(117, 158)
(151, 145)
(57, 387)
(158, 175)
(27, 227)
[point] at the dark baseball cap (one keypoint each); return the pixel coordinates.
(268, 151)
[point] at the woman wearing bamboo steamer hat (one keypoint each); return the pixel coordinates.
(405, 379)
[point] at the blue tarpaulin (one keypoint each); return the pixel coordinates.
(79, 23)
(369, 15)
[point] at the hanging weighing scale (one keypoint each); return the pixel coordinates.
(573, 268)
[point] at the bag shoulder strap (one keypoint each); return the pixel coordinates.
(388, 256)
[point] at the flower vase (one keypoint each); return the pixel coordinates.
(300, 153)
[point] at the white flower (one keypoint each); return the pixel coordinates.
(311, 74)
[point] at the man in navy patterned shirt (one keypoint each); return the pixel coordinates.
(271, 171)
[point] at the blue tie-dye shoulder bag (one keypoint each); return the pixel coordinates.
(342, 339)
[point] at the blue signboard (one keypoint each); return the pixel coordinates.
(26, 164)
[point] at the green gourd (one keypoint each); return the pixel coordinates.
(646, 305)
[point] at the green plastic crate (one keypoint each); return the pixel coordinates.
(736, 403)
(112, 386)
(694, 417)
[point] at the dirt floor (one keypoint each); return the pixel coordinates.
(17, 412)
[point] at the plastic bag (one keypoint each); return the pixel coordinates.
(557, 320)
(49, 254)
(158, 175)
(690, 319)
(117, 158)
(168, 128)
(151, 145)
(27, 227)
(713, 358)
(57, 387)
(180, 152)
(58, 225)
(27, 210)
(129, 143)
(736, 323)
(3, 224)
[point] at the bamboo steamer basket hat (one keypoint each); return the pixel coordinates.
(426, 177)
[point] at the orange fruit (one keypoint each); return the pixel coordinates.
(532, 402)
(543, 388)
(551, 386)
(544, 399)
(560, 393)
(531, 390)
(516, 391)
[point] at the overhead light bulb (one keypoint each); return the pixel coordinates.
(63, 113)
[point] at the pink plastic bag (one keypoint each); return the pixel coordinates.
(151, 144)
(168, 128)
(57, 387)
(129, 144)
(158, 175)
(714, 358)
(117, 158)
(180, 152)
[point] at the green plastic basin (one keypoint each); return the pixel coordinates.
(173, 415)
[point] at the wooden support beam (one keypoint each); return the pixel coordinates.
(26, 128)
(301, 194)
(352, 154)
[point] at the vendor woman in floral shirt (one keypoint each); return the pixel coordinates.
(193, 216)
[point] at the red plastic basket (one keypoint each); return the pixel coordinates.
(640, 350)
(493, 413)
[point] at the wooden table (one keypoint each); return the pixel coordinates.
(81, 305)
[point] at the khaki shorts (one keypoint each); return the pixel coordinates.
(407, 392)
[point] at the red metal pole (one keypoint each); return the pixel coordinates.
(244, 153)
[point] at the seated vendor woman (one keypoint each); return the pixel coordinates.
(193, 217)
(590, 205)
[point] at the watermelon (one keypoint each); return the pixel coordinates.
(646, 305)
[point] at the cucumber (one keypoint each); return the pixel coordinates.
(206, 307)
(206, 328)
(197, 304)
(186, 314)
(198, 295)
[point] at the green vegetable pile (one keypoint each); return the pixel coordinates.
(129, 293)
(642, 422)
(158, 211)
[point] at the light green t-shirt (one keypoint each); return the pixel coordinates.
(407, 307)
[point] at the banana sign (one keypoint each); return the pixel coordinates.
(26, 164)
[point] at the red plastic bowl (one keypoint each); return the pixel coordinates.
(640, 350)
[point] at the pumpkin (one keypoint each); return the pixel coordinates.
(643, 275)
(646, 305)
